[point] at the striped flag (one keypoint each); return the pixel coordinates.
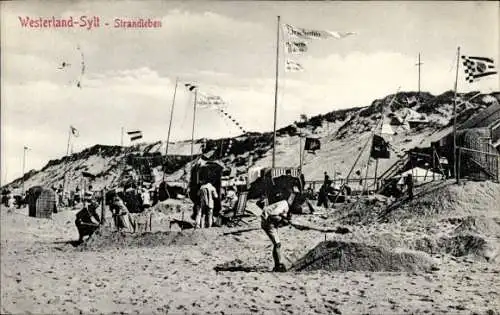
(303, 33)
(477, 67)
(74, 131)
(293, 66)
(135, 135)
(296, 47)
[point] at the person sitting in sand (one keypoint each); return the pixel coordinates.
(87, 220)
(274, 216)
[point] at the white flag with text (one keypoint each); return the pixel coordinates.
(303, 33)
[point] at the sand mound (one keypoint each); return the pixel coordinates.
(480, 225)
(107, 238)
(460, 245)
(334, 255)
(468, 244)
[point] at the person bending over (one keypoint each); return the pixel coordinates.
(274, 216)
(87, 220)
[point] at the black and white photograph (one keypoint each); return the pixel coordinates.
(250, 157)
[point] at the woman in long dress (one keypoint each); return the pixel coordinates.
(121, 214)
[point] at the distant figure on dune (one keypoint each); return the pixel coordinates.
(87, 220)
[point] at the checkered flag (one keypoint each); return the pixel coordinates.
(477, 67)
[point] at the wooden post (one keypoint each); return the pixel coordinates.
(150, 222)
(376, 168)
(458, 164)
(365, 184)
(103, 206)
(433, 163)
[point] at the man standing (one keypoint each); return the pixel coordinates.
(273, 217)
(323, 194)
(327, 178)
(207, 194)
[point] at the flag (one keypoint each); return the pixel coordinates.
(380, 148)
(296, 47)
(135, 135)
(209, 101)
(74, 131)
(292, 66)
(477, 67)
(190, 86)
(303, 33)
(312, 144)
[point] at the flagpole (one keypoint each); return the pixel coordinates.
(276, 91)
(171, 116)
(455, 120)
(24, 166)
(194, 120)
(121, 140)
(419, 69)
(300, 151)
(69, 141)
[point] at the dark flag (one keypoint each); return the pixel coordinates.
(312, 144)
(380, 148)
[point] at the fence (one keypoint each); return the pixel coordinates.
(371, 184)
(478, 165)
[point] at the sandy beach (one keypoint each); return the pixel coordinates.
(173, 271)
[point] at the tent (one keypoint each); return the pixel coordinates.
(420, 175)
(205, 169)
(254, 173)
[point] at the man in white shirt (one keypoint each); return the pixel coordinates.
(207, 194)
(274, 216)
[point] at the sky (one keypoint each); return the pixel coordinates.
(228, 49)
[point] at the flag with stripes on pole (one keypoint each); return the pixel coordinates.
(135, 135)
